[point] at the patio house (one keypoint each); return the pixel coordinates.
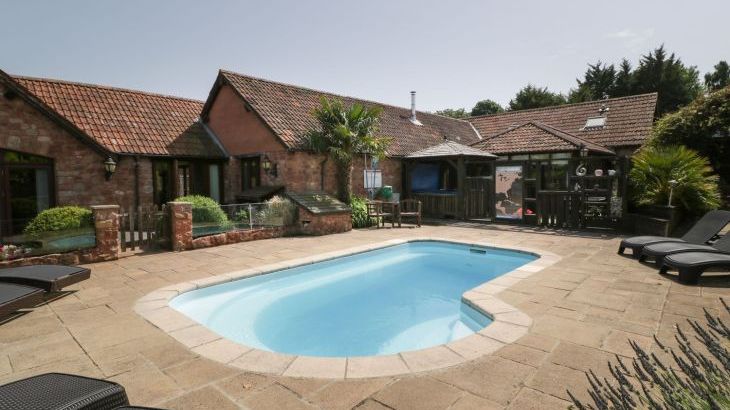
(71, 143)
(65, 143)
(565, 165)
(263, 124)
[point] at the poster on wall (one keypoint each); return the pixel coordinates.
(508, 192)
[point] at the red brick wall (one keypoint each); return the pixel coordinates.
(78, 169)
(313, 224)
(242, 132)
(238, 129)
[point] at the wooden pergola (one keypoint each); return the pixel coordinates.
(469, 197)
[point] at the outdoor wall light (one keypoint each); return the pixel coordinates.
(583, 151)
(269, 167)
(109, 166)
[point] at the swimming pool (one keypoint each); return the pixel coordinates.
(399, 298)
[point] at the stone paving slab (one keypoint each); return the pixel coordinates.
(583, 310)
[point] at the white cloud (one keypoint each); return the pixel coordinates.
(634, 40)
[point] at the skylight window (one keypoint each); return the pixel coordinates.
(595, 123)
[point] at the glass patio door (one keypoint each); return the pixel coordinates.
(26, 187)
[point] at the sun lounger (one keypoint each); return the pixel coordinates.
(14, 297)
(692, 264)
(659, 251)
(51, 278)
(707, 227)
(56, 391)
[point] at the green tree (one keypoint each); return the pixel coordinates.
(343, 132)
(623, 83)
(667, 75)
(720, 78)
(598, 80)
(655, 168)
(703, 125)
(485, 107)
(453, 112)
(535, 97)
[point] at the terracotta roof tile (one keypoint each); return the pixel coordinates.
(628, 120)
(287, 109)
(536, 137)
(126, 121)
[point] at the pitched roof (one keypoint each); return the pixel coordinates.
(450, 149)
(628, 120)
(126, 121)
(533, 136)
(287, 110)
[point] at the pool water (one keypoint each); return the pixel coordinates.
(394, 299)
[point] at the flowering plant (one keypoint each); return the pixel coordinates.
(9, 252)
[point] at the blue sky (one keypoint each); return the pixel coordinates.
(453, 53)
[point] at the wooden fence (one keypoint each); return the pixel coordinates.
(145, 228)
(559, 209)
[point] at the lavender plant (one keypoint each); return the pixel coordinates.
(698, 381)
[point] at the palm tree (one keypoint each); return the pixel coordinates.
(343, 132)
(658, 170)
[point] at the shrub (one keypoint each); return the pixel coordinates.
(60, 219)
(359, 212)
(704, 126)
(653, 169)
(696, 379)
(277, 211)
(205, 210)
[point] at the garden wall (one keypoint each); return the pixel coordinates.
(324, 224)
(106, 229)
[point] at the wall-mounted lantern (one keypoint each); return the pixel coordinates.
(583, 151)
(269, 167)
(110, 166)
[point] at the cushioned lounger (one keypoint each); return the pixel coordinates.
(50, 278)
(707, 227)
(14, 297)
(659, 251)
(692, 264)
(56, 391)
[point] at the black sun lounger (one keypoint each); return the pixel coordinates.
(692, 264)
(14, 297)
(58, 391)
(659, 251)
(707, 227)
(51, 278)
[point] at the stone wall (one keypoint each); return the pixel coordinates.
(238, 236)
(181, 225)
(324, 224)
(106, 227)
(78, 169)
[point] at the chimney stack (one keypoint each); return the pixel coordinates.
(413, 109)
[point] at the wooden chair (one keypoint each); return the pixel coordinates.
(410, 208)
(375, 211)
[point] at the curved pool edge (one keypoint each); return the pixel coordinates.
(509, 323)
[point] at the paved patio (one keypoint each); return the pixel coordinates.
(584, 309)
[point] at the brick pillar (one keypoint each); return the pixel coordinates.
(106, 225)
(181, 225)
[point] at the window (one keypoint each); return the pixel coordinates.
(250, 173)
(214, 181)
(595, 123)
(162, 181)
(26, 188)
(183, 179)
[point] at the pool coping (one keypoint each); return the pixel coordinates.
(509, 323)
